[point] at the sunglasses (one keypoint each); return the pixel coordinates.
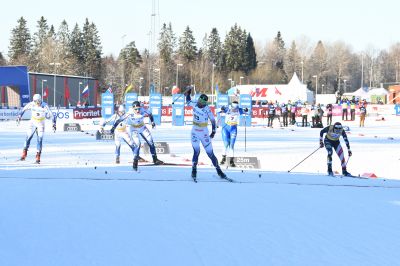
(202, 101)
(137, 108)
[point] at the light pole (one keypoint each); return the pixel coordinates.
(177, 70)
(316, 87)
(140, 85)
(345, 86)
(79, 93)
(212, 84)
(43, 80)
(240, 81)
(302, 72)
(55, 72)
(322, 92)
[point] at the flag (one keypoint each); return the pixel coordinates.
(85, 92)
(46, 93)
(66, 92)
(277, 91)
(109, 90)
(127, 89)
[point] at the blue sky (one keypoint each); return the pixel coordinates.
(371, 24)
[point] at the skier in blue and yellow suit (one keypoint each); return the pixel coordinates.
(229, 130)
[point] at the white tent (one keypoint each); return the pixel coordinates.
(361, 93)
(378, 91)
(294, 90)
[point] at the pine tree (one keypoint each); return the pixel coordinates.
(250, 57)
(65, 54)
(91, 49)
(20, 43)
(319, 63)
(293, 61)
(278, 67)
(187, 54)
(131, 59)
(214, 47)
(166, 47)
(76, 48)
(234, 49)
(187, 46)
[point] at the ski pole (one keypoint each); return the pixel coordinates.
(304, 159)
(245, 133)
(187, 89)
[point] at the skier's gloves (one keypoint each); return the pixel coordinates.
(350, 153)
(54, 127)
(153, 125)
(245, 109)
(187, 92)
(101, 130)
(212, 134)
(112, 130)
(321, 144)
(18, 119)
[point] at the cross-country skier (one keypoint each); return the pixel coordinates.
(135, 120)
(331, 142)
(121, 132)
(200, 134)
(39, 112)
(229, 130)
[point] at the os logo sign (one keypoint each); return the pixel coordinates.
(62, 114)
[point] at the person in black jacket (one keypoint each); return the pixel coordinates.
(331, 142)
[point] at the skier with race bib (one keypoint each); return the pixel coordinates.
(199, 134)
(331, 142)
(39, 112)
(121, 133)
(135, 121)
(229, 130)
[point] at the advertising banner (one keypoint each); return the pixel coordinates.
(107, 105)
(155, 107)
(129, 99)
(178, 110)
(245, 102)
(222, 100)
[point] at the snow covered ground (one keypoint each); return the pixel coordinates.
(79, 208)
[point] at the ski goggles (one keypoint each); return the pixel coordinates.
(202, 101)
(337, 128)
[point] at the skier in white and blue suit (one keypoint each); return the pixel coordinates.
(201, 114)
(135, 121)
(39, 112)
(229, 130)
(121, 132)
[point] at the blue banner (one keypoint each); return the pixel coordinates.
(129, 99)
(222, 100)
(246, 102)
(178, 110)
(107, 105)
(17, 76)
(155, 107)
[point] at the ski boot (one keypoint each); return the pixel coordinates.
(117, 160)
(194, 173)
(220, 173)
(345, 173)
(157, 161)
(223, 159)
(24, 154)
(330, 172)
(135, 164)
(38, 157)
(232, 163)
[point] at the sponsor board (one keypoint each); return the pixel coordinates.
(161, 148)
(72, 127)
(246, 162)
(87, 113)
(105, 136)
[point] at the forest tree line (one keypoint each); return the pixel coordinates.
(234, 59)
